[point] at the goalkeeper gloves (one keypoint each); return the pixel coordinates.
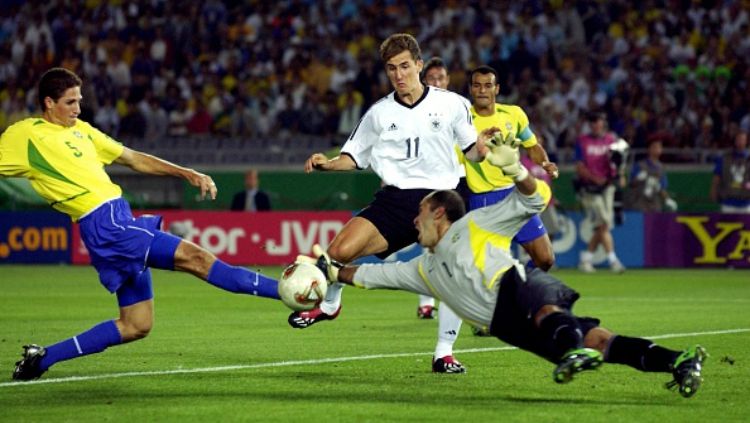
(322, 261)
(504, 154)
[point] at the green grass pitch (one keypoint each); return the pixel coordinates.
(214, 356)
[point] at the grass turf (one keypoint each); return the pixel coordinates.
(216, 356)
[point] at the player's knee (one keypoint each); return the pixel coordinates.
(545, 311)
(545, 261)
(192, 258)
(541, 253)
(135, 330)
(343, 252)
(597, 338)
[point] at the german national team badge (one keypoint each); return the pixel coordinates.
(435, 122)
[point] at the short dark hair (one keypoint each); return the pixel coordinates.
(594, 116)
(54, 83)
(434, 62)
(397, 43)
(450, 200)
(484, 70)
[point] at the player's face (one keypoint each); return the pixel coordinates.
(403, 72)
(484, 89)
(425, 223)
(66, 109)
(437, 76)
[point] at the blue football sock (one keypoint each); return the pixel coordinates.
(240, 280)
(94, 340)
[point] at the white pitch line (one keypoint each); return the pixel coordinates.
(314, 361)
(666, 300)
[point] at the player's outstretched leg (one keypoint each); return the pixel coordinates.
(644, 355)
(449, 326)
(37, 360)
(576, 361)
(687, 371)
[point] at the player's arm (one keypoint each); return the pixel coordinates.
(538, 155)
(478, 150)
(346, 274)
(397, 275)
(152, 165)
(319, 161)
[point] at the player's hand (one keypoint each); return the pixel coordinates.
(323, 261)
(483, 141)
(205, 184)
(509, 139)
(317, 161)
(504, 154)
(551, 169)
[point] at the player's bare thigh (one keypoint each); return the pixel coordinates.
(358, 238)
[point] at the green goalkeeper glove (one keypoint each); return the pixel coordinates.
(504, 154)
(323, 261)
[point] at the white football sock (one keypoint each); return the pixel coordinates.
(333, 298)
(449, 325)
(586, 256)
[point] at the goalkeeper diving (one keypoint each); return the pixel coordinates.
(469, 267)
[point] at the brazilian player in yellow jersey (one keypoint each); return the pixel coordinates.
(64, 158)
(487, 183)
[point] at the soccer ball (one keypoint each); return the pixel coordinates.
(302, 286)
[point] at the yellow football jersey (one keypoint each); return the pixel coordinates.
(64, 165)
(483, 177)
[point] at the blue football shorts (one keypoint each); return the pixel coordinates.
(122, 248)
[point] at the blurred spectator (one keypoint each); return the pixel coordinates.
(178, 119)
(133, 125)
(157, 120)
(252, 198)
(596, 187)
(349, 104)
(647, 188)
(241, 120)
(652, 66)
(200, 121)
(731, 181)
(107, 119)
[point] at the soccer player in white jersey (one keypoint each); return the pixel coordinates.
(408, 139)
(468, 267)
(449, 324)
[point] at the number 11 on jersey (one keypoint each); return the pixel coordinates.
(408, 147)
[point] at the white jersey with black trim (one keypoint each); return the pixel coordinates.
(465, 269)
(412, 146)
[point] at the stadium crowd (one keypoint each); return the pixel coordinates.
(676, 71)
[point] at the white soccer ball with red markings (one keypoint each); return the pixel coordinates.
(302, 286)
